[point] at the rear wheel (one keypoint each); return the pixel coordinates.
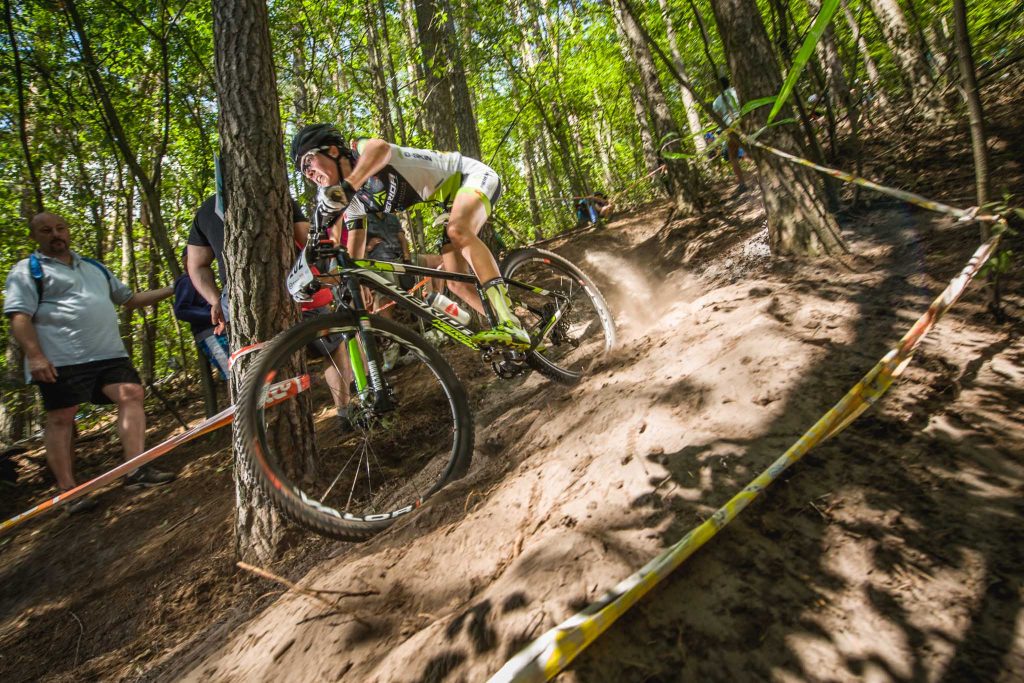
(563, 306)
(380, 461)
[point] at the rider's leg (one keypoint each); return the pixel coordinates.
(453, 262)
(468, 215)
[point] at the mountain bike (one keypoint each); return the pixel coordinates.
(412, 428)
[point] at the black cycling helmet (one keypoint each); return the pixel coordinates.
(313, 136)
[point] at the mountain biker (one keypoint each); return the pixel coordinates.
(380, 176)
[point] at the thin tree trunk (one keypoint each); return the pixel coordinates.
(146, 328)
(969, 88)
(530, 164)
(385, 48)
(650, 153)
(794, 198)
(413, 64)
(300, 99)
(377, 71)
(870, 67)
(149, 182)
(462, 99)
(23, 135)
(603, 142)
(685, 183)
(907, 52)
(258, 244)
(437, 102)
(128, 268)
(705, 38)
(689, 106)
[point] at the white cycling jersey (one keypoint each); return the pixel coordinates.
(416, 175)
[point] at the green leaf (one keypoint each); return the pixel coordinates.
(756, 104)
(828, 8)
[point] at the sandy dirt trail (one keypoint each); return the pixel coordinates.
(890, 553)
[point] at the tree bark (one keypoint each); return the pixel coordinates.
(685, 184)
(798, 221)
(969, 88)
(258, 245)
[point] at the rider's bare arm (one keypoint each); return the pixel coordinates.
(374, 154)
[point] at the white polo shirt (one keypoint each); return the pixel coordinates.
(76, 321)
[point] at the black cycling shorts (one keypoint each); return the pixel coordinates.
(84, 382)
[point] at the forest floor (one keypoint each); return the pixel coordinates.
(891, 553)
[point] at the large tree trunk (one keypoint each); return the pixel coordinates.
(437, 101)
(794, 198)
(258, 245)
(908, 53)
(685, 183)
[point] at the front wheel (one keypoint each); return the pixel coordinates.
(560, 305)
(349, 463)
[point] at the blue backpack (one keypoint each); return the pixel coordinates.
(35, 267)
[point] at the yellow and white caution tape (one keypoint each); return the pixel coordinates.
(555, 649)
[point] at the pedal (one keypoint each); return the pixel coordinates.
(509, 364)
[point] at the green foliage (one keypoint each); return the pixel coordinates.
(553, 75)
(804, 54)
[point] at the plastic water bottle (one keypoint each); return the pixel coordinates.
(443, 303)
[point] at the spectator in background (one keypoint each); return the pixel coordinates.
(727, 105)
(61, 309)
(192, 308)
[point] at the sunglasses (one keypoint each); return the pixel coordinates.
(306, 160)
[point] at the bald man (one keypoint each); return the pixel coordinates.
(61, 309)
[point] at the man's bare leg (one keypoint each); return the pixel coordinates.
(57, 440)
(131, 416)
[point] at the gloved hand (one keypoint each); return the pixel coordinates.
(332, 198)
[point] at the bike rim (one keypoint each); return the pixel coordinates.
(389, 463)
(580, 337)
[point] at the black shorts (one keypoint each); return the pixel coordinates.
(324, 346)
(84, 382)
